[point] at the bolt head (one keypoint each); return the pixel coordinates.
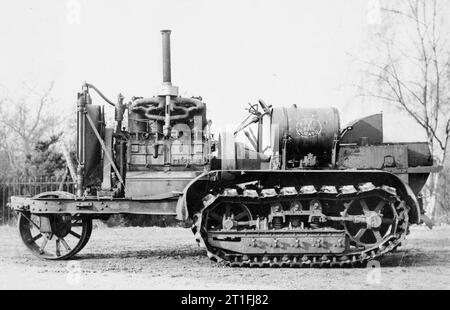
(374, 220)
(227, 224)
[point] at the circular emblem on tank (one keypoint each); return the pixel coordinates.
(308, 127)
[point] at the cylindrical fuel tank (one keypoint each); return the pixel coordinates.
(308, 131)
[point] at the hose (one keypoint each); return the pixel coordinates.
(100, 94)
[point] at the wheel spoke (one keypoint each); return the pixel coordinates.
(377, 235)
(387, 221)
(380, 205)
(36, 237)
(43, 244)
(360, 233)
(364, 206)
(64, 243)
(348, 204)
(228, 210)
(216, 216)
(240, 215)
(57, 247)
(74, 234)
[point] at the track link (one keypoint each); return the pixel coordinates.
(355, 256)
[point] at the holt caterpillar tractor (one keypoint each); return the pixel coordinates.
(323, 195)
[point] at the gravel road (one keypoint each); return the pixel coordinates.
(169, 258)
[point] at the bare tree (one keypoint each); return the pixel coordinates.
(24, 121)
(412, 72)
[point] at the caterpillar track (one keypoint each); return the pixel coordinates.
(307, 226)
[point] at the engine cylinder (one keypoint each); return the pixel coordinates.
(137, 122)
(306, 131)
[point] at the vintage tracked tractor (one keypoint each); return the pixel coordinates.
(303, 191)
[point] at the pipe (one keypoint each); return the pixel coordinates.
(81, 142)
(166, 56)
(166, 128)
(99, 93)
(119, 112)
(167, 78)
(151, 107)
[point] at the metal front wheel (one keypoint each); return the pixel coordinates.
(67, 236)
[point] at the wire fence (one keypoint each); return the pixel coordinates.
(29, 186)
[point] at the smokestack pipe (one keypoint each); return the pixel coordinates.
(166, 56)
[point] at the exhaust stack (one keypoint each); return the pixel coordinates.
(167, 90)
(167, 78)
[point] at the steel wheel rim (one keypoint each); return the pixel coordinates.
(214, 215)
(71, 236)
(356, 232)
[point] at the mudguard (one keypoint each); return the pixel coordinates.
(191, 203)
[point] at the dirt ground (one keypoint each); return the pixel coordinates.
(169, 258)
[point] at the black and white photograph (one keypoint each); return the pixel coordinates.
(225, 150)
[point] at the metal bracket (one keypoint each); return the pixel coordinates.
(84, 205)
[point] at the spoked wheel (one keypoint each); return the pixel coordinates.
(377, 220)
(69, 234)
(222, 216)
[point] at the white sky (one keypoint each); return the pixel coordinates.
(229, 52)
